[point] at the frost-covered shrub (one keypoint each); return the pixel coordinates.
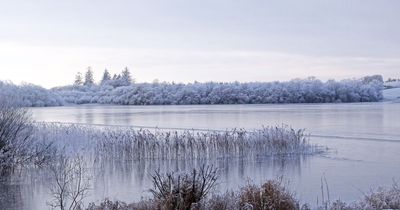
(226, 201)
(383, 198)
(271, 195)
(380, 198)
(28, 95)
(17, 145)
(15, 133)
(183, 191)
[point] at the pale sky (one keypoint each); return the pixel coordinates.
(46, 42)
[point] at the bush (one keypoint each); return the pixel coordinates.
(118, 205)
(28, 95)
(181, 192)
(226, 201)
(271, 195)
(380, 198)
(15, 134)
(17, 146)
(383, 198)
(173, 192)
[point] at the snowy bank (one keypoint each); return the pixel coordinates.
(391, 94)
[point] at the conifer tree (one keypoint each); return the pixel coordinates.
(89, 77)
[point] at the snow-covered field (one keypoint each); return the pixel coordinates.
(392, 94)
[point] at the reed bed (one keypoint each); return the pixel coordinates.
(140, 144)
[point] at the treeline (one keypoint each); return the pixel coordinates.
(28, 95)
(310, 90)
(392, 80)
(120, 89)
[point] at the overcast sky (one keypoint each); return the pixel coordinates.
(46, 42)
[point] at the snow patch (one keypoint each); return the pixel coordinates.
(391, 94)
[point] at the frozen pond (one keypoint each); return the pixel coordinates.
(364, 143)
(367, 120)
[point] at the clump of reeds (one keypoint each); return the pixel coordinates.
(132, 144)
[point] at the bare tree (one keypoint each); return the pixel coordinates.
(15, 137)
(71, 183)
(18, 146)
(180, 192)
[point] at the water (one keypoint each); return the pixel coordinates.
(369, 120)
(364, 143)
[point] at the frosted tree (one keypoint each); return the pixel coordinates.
(126, 77)
(78, 79)
(28, 95)
(106, 77)
(89, 77)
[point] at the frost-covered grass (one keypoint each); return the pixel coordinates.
(133, 144)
